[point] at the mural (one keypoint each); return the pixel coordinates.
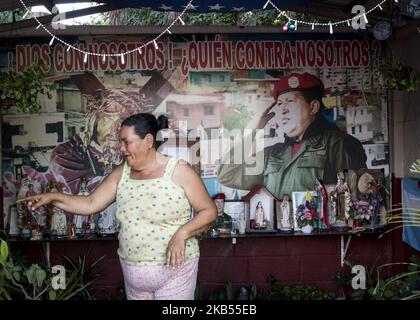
(212, 88)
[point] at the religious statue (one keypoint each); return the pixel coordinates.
(58, 219)
(371, 190)
(107, 223)
(223, 222)
(78, 219)
(22, 209)
(35, 217)
(71, 232)
(341, 196)
(322, 204)
(260, 220)
(285, 218)
(10, 211)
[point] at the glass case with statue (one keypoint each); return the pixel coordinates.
(260, 206)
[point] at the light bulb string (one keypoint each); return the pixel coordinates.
(322, 24)
(188, 6)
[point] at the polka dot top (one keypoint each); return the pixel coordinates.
(149, 212)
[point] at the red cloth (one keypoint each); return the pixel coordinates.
(296, 147)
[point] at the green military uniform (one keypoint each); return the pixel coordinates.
(223, 223)
(325, 151)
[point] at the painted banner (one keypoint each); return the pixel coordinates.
(213, 88)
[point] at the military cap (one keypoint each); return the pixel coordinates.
(297, 82)
(219, 196)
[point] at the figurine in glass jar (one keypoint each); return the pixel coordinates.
(58, 218)
(284, 221)
(22, 210)
(107, 224)
(80, 220)
(260, 221)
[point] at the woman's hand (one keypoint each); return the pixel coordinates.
(34, 202)
(175, 253)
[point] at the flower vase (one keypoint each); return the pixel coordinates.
(307, 229)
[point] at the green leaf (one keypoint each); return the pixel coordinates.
(4, 251)
(40, 276)
(388, 294)
(52, 294)
(16, 275)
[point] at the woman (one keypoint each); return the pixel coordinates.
(157, 248)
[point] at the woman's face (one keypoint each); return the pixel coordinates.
(133, 148)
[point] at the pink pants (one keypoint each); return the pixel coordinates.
(160, 282)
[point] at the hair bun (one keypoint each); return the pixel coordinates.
(163, 122)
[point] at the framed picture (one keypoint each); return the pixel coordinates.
(298, 198)
(370, 186)
(236, 209)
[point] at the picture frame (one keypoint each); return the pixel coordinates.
(236, 209)
(298, 198)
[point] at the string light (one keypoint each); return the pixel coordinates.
(26, 13)
(103, 58)
(122, 58)
(86, 53)
(286, 27)
(323, 24)
(365, 18)
(52, 40)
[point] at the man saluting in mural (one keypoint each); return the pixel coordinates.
(313, 147)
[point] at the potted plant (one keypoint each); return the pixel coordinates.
(34, 281)
(401, 78)
(21, 89)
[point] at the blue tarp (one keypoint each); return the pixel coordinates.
(411, 212)
(205, 5)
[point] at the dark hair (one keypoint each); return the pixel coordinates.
(313, 94)
(145, 123)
